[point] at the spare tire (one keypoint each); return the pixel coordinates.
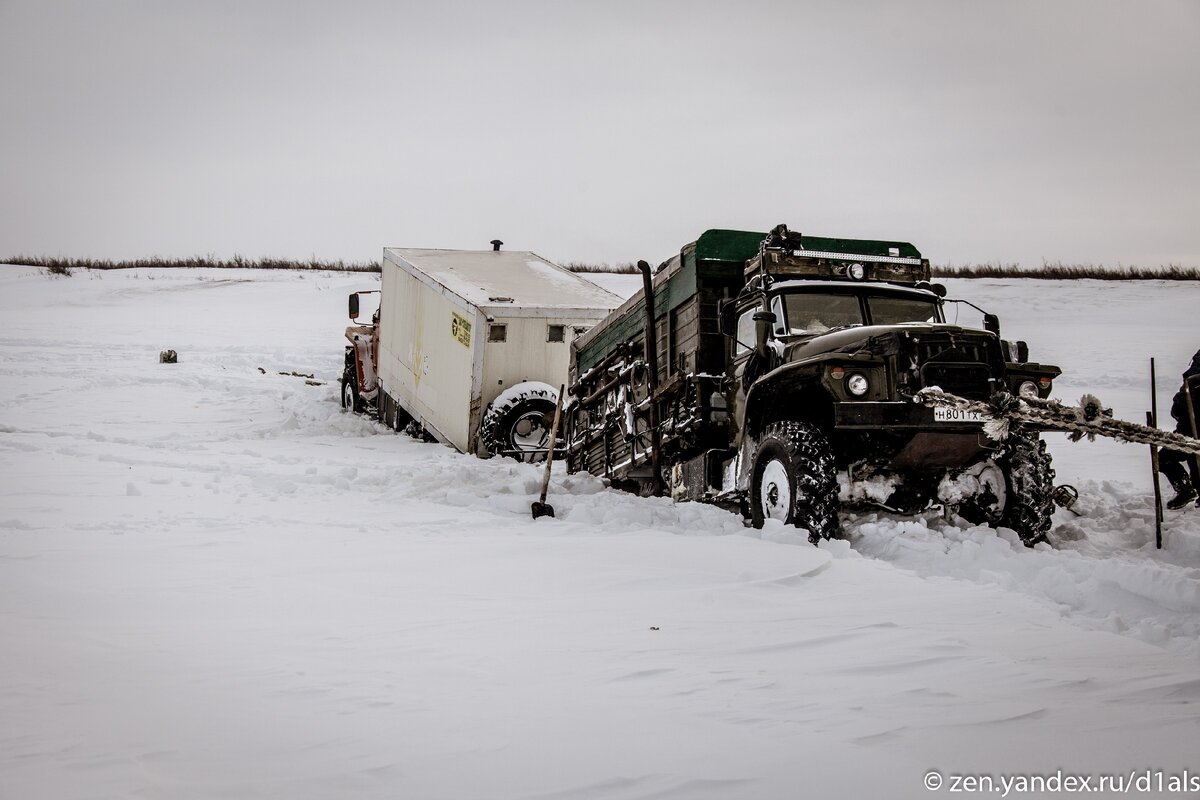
(517, 423)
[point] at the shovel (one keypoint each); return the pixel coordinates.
(540, 507)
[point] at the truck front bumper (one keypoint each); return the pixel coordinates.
(923, 442)
(892, 415)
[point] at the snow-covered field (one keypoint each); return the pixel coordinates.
(214, 583)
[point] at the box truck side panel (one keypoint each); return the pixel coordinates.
(427, 353)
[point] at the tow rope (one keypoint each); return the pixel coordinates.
(1089, 418)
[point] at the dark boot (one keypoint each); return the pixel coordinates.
(1185, 493)
(1171, 465)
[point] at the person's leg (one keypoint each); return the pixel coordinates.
(1171, 464)
(1194, 468)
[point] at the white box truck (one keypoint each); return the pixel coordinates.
(471, 345)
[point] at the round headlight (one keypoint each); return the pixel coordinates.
(856, 271)
(1027, 389)
(857, 385)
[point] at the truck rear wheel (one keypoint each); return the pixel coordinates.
(1030, 478)
(794, 480)
(517, 424)
(390, 413)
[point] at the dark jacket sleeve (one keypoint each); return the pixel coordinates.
(1179, 403)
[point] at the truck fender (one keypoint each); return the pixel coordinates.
(364, 363)
(789, 392)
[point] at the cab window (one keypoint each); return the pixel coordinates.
(745, 331)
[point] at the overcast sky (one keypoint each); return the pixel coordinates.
(1057, 130)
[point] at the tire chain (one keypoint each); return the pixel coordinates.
(1031, 509)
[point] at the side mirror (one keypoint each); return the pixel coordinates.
(991, 323)
(764, 323)
(354, 306)
(1022, 352)
(727, 317)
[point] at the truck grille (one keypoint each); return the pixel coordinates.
(961, 365)
(945, 349)
(972, 381)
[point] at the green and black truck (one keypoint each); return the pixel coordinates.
(782, 383)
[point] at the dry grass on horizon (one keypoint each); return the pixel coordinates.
(1055, 271)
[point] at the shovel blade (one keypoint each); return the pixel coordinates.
(542, 510)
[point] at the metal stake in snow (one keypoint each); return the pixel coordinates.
(1088, 419)
(1152, 421)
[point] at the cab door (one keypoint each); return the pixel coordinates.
(741, 347)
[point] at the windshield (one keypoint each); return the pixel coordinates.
(894, 310)
(817, 312)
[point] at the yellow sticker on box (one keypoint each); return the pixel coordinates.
(460, 328)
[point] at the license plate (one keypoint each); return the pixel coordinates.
(958, 415)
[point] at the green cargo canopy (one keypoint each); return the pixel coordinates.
(725, 245)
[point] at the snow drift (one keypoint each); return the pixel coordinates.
(215, 583)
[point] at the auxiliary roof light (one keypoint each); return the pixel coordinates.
(856, 271)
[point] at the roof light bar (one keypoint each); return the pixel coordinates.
(823, 265)
(854, 257)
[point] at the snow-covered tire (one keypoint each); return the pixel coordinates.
(986, 502)
(351, 400)
(794, 480)
(517, 423)
(1030, 502)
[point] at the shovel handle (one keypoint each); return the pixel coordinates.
(553, 438)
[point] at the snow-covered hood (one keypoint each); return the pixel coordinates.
(853, 339)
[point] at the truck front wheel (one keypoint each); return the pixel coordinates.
(794, 480)
(351, 401)
(1030, 505)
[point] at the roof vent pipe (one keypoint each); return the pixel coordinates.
(496, 245)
